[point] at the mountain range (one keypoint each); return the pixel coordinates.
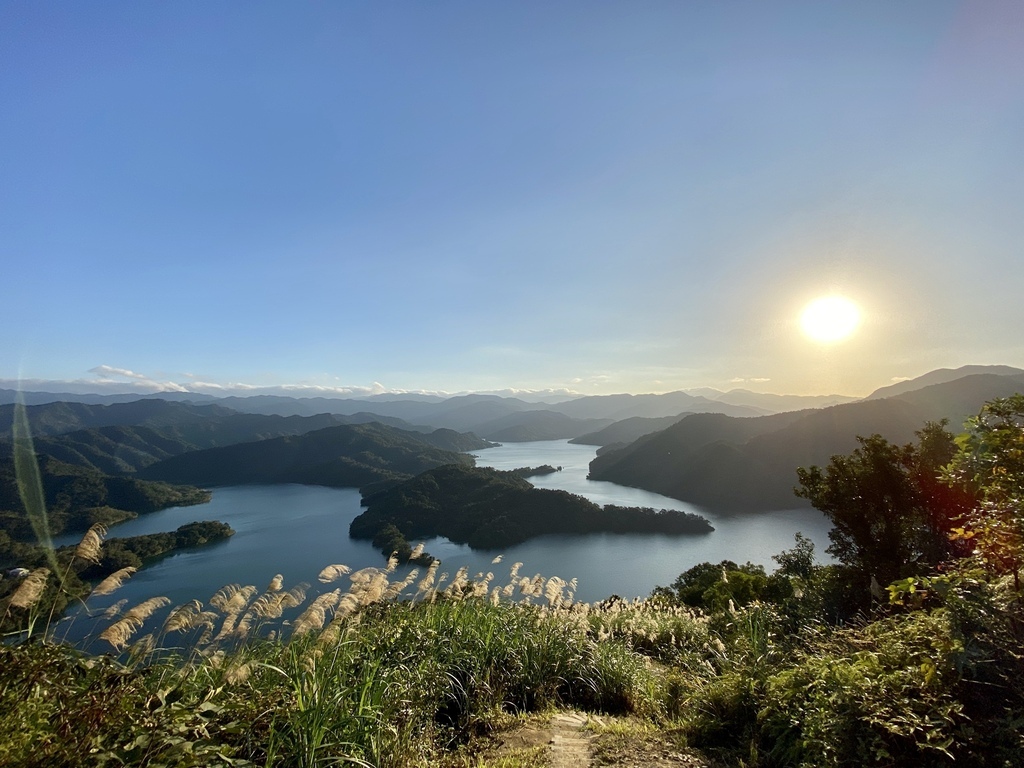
(695, 447)
(749, 464)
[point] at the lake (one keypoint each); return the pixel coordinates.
(296, 530)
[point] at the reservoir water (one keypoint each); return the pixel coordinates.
(296, 530)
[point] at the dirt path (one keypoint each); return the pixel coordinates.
(577, 740)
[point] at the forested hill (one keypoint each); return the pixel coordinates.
(343, 456)
(200, 426)
(487, 508)
(77, 497)
(724, 462)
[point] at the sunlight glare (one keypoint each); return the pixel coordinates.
(830, 319)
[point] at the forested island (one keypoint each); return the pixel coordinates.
(83, 566)
(489, 509)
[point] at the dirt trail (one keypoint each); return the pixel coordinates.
(577, 740)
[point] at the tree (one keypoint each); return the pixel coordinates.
(990, 465)
(890, 512)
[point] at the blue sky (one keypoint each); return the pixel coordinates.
(465, 196)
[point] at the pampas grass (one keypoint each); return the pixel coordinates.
(115, 609)
(118, 633)
(113, 582)
(315, 615)
(90, 546)
(189, 616)
(31, 589)
(233, 598)
(333, 573)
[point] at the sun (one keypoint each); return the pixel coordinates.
(830, 319)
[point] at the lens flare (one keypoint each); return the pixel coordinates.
(830, 319)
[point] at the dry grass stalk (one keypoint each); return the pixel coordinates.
(276, 584)
(89, 548)
(416, 551)
(427, 582)
(369, 584)
(553, 591)
(456, 587)
(31, 589)
(392, 563)
(113, 582)
(118, 633)
(143, 645)
(115, 609)
(240, 600)
(296, 596)
(398, 587)
(346, 607)
(497, 560)
(232, 598)
(333, 572)
(182, 617)
(228, 627)
(315, 615)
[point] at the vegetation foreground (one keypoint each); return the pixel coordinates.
(905, 653)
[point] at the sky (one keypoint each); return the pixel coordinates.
(591, 197)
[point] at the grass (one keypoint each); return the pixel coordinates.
(352, 675)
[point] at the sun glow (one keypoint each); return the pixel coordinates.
(830, 319)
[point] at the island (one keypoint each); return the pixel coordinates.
(491, 509)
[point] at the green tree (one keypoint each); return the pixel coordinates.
(890, 512)
(990, 465)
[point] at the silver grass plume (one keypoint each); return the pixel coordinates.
(118, 633)
(333, 572)
(315, 615)
(113, 582)
(31, 589)
(89, 548)
(115, 609)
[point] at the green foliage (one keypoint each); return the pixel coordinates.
(394, 684)
(75, 498)
(875, 696)
(991, 464)
(712, 586)
(346, 456)
(72, 577)
(888, 514)
(488, 509)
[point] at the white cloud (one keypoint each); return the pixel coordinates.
(761, 379)
(110, 375)
(107, 371)
(898, 379)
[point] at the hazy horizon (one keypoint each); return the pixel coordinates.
(586, 198)
(144, 387)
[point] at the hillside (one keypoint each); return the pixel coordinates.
(749, 463)
(487, 509)
(943, 376)
(342, 456)
(627, 430)
(77, 497)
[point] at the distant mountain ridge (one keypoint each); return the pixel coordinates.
(346, 456)
(720, 461)
(943, 376)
